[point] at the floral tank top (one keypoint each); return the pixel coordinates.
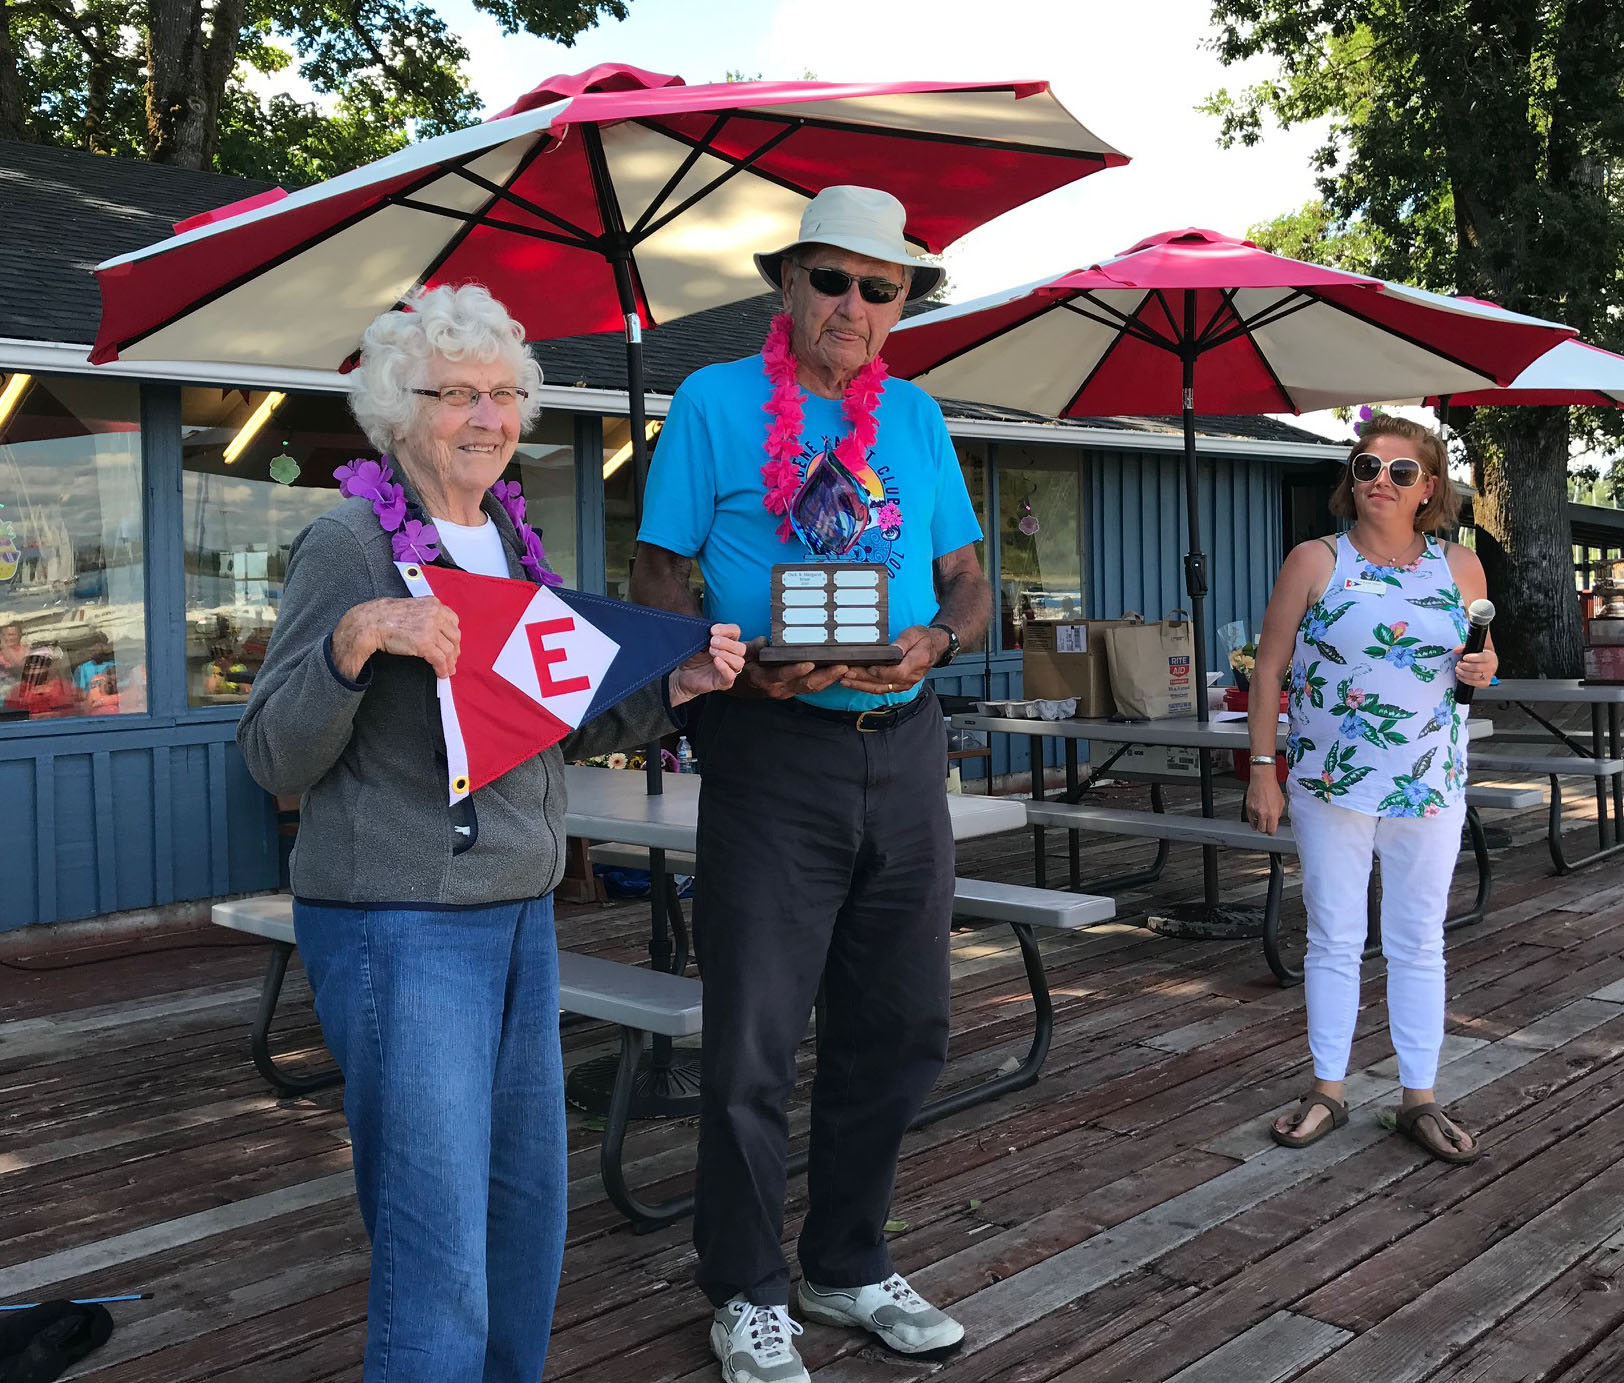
(1374, 724)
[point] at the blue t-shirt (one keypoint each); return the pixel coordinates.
(704, 499)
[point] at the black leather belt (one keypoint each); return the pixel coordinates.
(879, 718)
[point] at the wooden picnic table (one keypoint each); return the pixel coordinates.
(1177, 732)
(615, 806)
(606, 804)
(1606, 749)
(1066, 813)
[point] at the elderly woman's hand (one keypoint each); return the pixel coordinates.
(711, 669)
(414, 628)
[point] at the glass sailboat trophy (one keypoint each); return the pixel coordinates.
(830, 610)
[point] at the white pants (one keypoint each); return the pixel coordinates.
(1335, 847)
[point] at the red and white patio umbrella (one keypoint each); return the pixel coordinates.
(1574, 373)
(1192, 318)
(609, 198)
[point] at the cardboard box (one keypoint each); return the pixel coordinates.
(1604, 665)
(1061, 660)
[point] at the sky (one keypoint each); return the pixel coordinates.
(1133, 73)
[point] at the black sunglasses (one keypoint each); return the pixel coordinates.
(1403, 471)
(836, 283)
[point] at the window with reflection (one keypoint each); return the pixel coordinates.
(622, 509)
(1040, 538)
(72, 566)
(972, 454)
(258, 468)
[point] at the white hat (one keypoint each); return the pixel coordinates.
(863, 220)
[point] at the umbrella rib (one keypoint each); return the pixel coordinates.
(1403, 336)
(325, 233)
(1226, 303)
(1294, 302)
(1118, 320)
(1268, 366)
(743, 165)
(1098, 365)
(507, 194)
(981, 341)
(937, 136)
(460, 238)
(1177, 338)
(472, 220)
(617, 244)
(694, 154)
(776, 179)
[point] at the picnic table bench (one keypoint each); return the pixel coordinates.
(1557, 767)
(1170, 827)
(1071, 813)
(644, 1003)
(1544, 701)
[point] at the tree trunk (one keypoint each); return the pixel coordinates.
(13, 123)
(98, 91)
(1525, 541)
(186, 77)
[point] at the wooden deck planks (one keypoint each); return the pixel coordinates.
(1125, 1219)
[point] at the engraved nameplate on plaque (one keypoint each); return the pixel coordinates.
(830, 612)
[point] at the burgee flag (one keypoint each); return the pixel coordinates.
(536, 662)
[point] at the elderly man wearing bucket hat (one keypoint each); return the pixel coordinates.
(825, 853)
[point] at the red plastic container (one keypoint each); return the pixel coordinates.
(1236, 700)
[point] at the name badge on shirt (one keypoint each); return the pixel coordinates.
(1356, 583)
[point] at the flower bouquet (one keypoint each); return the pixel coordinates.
(1241, 662)
(1242, 650)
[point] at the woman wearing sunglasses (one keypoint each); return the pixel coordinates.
(1369, 628)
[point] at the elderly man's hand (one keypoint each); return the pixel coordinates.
(711, 669)
(780, 681)
(921, 646)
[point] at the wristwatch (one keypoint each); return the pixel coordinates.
(952, 645)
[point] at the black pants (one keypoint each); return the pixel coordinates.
(825, 852)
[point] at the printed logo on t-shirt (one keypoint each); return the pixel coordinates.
(881, 536)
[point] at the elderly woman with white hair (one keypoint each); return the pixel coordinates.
(427, 931)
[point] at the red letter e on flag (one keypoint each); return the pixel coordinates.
(545, 657)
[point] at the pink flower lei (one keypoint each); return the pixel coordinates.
(782, 473)
(417, 540)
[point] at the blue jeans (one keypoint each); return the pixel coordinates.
(446, 1027)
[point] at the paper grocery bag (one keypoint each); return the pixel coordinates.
(1152, 668)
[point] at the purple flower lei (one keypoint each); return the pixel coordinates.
(416, 540)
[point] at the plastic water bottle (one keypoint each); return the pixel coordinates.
(685, 757)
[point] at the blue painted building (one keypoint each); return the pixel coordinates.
(146, 514)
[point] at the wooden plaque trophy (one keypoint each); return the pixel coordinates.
(830, 612)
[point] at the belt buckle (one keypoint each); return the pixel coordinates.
(872, 711)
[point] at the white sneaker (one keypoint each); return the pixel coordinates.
(753, 1343)
(903, 1319)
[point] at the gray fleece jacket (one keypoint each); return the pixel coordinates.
(368, 758)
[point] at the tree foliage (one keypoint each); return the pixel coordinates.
(170, 80)
(1474, 146)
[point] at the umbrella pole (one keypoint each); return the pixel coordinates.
(667, 1080)
(1195, 583)
(660, 951)
(1208, 919)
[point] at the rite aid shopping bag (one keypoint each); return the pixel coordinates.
(1152, 668)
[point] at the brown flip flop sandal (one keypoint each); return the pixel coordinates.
(1335, 1108)
(1408, 1119)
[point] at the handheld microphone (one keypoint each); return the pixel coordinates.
(1480, 613)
